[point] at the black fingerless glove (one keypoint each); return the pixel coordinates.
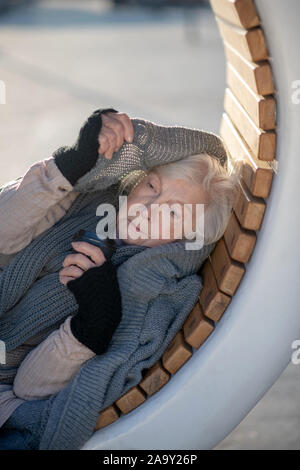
(98, 295)
(77, 160)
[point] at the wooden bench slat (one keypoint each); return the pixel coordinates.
(197, 327)
(213, 302)
(131, 400)
(257, 174)
(257, 75)
(249, 43)
(261, 109)
(262, 143)
(176, 354)
(248, 209)
(239, 242)
(239, 12)
(228, 272)
(155, 378)
(106, 417)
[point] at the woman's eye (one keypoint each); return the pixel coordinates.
(151, 185)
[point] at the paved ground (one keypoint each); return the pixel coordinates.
(61, 60)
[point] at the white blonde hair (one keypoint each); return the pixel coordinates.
(219, 183)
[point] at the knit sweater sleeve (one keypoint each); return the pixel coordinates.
(152, 145)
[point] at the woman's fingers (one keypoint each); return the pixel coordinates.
(89, 256)
(110, 138)
(65, 279)
(104, 143)
(127, 125)
(74, 265)
(79, 260)
(114, 123)
(70, 272)
(94, 252)
(116, 127)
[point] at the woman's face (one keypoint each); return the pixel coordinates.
(166, 224)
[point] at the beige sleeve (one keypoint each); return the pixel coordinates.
(32, 204)
(48, 367)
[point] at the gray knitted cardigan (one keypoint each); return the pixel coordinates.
(159, 287)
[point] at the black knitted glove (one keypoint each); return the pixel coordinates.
(77, 160)
(98, 295)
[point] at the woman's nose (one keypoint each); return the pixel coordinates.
(146, 213)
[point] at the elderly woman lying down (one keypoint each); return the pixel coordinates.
(167, 179)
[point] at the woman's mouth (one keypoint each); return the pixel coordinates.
(135, 227)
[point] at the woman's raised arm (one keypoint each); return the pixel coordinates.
(31, 204)
(152, 145)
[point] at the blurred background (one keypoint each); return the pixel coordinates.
(160, 60)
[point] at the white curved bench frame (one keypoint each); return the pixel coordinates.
(252, 343)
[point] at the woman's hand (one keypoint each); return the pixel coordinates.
(116, 127)
(103, 132)
(76, 264)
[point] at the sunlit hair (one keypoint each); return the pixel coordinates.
(219, 183)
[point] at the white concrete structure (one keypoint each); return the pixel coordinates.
(252, 343)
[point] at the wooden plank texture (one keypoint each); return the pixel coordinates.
(239, 242)
(249, 209)
(176, 354)
(239, 12)
(257, 75)
(213, 302)
(197, 327)
(228, 272)
(262, 143)
(261, 109)
(257, 174)
(106, 417)
(155, 378)
(131, 399)
(249, 43)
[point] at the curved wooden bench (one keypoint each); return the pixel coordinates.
(248, 131)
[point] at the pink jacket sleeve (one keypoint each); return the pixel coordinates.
(49, 366)
(28, 206)
(32, 204)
